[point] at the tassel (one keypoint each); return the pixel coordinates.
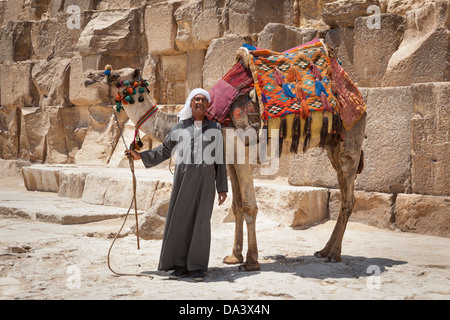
(336, 127)
(295, 134)
(263, 98)
(283, 134)
(324, 131)
(304, 110)
(315, 71)
(320, 88)
(287, 91)
(307, 133)
(325, 103)
(278, 76)
(292, 74)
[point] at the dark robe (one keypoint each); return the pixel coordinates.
(200, 168)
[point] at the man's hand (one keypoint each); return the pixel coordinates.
(133, 153)
(222, 197)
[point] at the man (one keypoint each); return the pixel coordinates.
(187, 234)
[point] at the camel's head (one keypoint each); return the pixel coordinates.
(101, 79)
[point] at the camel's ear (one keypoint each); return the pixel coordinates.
(136, 73)
(115, 76)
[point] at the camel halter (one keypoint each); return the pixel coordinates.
(145, 117)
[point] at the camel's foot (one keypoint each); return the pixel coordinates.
(233, 259)
(250, 266)
(333, 255)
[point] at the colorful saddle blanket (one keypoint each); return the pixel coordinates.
(305, 77)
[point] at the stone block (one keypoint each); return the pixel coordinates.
(294, 207)
(343, 13)
(343, 42)
(79, 95)
(248, 17)
(312, 168)
(387, 149)
(430, 172)
(371, 208)
(39, 178)
(375, 46)
(17, 86)
(423, 53)
(16, 42)
(279, 37)
(51, 79)
(194, 68)
(423, 214)
(198, 22)
(115, 33)
(161, 27)
(101, 136)
(9, 132)
(218, 60)
(310, 14)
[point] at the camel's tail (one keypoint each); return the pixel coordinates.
(361, 163)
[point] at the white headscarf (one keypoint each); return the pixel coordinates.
(186, 112)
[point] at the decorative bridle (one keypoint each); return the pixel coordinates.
(126, 92)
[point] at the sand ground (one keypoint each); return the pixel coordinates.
(41, 260)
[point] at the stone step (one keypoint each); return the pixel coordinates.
(288, 205)
(48, 207)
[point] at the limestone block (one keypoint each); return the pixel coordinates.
(115, 33)
(101, 136)
(17, 86)
(152, 222)
(343, 42)
(198, 22)
(387, 149)
(310, 15)
(9, 132)
(161, 27)
(79, 95)
(117, 4)
(372, 208)
(430, 172)
(194, 67)
(71, 183)
(301, 207)
(38, 178)
(57, 36)
(279, 37)
(369, 64)
(423, 54)
(342, 13)
(247, 17)
(51, 79)
(172, 79)
(423, 214)
(312, 168)
(402, 6)
(218, 60)
(16, 41)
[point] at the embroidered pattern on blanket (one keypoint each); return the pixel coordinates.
(280, 79)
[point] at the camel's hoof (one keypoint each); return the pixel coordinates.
(254, 266)
(318, 254)
(330, 257)
(233, 259)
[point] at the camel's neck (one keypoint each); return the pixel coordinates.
(157, 126)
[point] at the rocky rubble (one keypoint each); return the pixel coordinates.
(396, 50)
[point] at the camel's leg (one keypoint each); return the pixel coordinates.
(236, 256)
(250, 211)
(345, 158)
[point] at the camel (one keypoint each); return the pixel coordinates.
(346, 158)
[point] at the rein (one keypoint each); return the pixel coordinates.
(133, 145)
